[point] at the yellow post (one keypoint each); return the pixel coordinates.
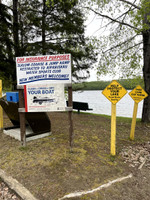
(1, 110)
(113, 129)
(133, 121)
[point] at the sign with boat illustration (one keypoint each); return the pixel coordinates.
(44, 98)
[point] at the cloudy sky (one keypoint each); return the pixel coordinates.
(93, 24)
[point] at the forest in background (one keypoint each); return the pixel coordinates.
(128, 84)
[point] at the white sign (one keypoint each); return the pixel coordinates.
(44, 98)
(39, 69)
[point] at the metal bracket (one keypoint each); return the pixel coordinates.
(20, 87)
(68, 109)
(68, 85)
(21, 109)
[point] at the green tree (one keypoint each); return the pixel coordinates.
(6, 44)
(126, 47)
(56, 27)
(39, 28)
(61, 28)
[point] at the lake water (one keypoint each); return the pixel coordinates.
(101, 105)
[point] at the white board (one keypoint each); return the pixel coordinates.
(44, 98)
(44, 69)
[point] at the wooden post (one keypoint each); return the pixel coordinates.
(70, 104)
(22, 118)
(133, 121)
(113, 129)
(1, 110)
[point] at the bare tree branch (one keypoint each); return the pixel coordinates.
(122, 43)
(128, 11)
(105, 26)
(8, 7)
(132, 4)
(128, 49)
(113, 20)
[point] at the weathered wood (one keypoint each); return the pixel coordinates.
(22, 118)
(1, 110)
(133, 124)
(71, 134)
(113, 129)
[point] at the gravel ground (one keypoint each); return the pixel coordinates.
(6, 193)
(137, 156)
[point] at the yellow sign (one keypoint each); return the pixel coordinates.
(114, 92)
(138, 94)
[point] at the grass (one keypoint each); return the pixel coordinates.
(48, 168)
(118, 118)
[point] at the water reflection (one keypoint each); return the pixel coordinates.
(101, 105)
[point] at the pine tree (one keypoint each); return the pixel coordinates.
(6, 44)
(36, 28)
(56, 28)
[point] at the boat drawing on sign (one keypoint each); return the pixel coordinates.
(42, 100)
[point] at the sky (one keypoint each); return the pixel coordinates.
(92, 29)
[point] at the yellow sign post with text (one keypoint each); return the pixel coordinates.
(137, 94)
(1, 110)
(114, 92)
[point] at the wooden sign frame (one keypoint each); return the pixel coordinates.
(22, 113)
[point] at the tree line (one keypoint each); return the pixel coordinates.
(128, 84)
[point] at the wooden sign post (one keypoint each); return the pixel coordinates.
(22, 117)
(133, 124)
(71, 135)
(113, 92)
(113, 129)
(1, 110)
(137, 94)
